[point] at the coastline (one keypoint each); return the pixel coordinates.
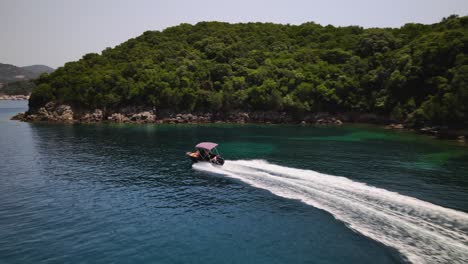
(14, 97)
(56, 113)
(60, 113)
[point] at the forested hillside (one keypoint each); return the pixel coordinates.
(10, 73)
(417, 73)
(16, 80)
(17, 88)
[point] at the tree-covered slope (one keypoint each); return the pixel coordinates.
(11, 73)
(17, 80)
(416, 72)
(17, 88)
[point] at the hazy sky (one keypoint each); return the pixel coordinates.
(53, 32)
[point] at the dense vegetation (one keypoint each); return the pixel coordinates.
(17, 80)
(10, 73)
(417, 73)
(17, 88)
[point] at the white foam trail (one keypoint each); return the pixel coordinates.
(421, 231)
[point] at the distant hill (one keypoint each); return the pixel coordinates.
(11, 73)
(17, 80)
(38, 69)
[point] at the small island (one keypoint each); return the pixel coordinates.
(413, 77)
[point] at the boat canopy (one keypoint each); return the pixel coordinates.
(206, 145)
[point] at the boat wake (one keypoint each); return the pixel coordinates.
(421, 231)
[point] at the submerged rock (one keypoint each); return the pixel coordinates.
(19, 116)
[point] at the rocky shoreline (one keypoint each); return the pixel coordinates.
(14, 97)
(53, 112)
(435, 131)
(58, 113)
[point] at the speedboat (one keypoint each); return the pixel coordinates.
(206, 152)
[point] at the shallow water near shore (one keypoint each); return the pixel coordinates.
(105, 193)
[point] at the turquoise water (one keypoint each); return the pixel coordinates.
(287, 194)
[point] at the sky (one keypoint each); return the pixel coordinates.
(53, 32)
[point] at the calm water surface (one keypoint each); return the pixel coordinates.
(127, 194)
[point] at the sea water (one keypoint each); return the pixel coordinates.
(108, 193)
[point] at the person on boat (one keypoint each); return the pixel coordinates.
(212, 156)
(207, 155)
(204, 154)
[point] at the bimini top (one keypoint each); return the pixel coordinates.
(206, 145)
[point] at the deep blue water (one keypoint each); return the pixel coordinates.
(126, 194)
